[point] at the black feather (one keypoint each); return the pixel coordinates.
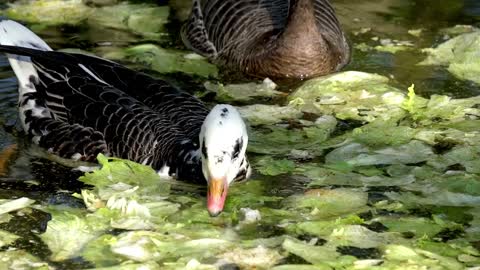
(97, 106)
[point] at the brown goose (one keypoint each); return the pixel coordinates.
(268, 38)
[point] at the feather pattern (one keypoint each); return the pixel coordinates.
(85, 105)
(254, 36)
(78, 106)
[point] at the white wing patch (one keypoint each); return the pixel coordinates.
(15, 34)
(164, 172)
(92, 74)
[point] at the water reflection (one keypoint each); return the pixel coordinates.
(472, 9)
(391, 20)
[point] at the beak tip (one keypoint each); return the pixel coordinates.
(214, 213)
(217, 192)
(215, 209)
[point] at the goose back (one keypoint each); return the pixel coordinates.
(84, 105)
(276, 38)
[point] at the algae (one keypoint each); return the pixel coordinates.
(162, 60)
(7, 238)
(243, 92)
(142, 19)
(459, 55)
(20, 259)
(49, 12)
(260, 114)
(350, 95)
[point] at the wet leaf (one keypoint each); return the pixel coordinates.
(7, 238)
(356, 154)
(259, 257)
(98, 251)
(281, 140)
(329, 202)
(313, 254)
(269, 166)
(259, 114)
(132, 266)
(301, 267)
(325, 176)
(459, 54)
(350, 95)
(116, 170)
(20, 259)
(440, 198)
(163, 60)
(7, 206)
(402, 256)
(383, 133)
(143, 246)
(361, 237)
(418, 226)
(49, 12)
(144, 19)
(67, 234)
(249, 194)
(243, 92)
(323, 228)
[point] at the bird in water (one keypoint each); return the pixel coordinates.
(77, 106)
(268, 38)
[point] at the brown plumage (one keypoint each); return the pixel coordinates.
(268, 38)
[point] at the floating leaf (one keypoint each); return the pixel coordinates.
(269, 166)
(459, 54)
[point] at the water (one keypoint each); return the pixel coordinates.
(47, 182)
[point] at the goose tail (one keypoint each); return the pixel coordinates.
(15, 34)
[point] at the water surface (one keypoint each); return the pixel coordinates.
(35, 177)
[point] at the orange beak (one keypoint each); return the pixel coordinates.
(216, 195)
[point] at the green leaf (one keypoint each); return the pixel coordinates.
(312, 254)
(329, 202)
(68, 233)
(269, 166)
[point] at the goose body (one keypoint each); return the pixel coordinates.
(268, 38)
(78, 106)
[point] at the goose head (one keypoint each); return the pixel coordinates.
(223, 142)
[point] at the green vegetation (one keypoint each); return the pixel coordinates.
(351, 170)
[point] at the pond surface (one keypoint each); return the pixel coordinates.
(281, 180)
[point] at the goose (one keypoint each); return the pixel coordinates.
(268, 38)
(77, 106)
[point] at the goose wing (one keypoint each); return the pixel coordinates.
(181, 108)
(194, 33)
(329, 25)
(216, 24)
(76, 112)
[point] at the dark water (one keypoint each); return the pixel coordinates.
(392, 19)
(388, 19)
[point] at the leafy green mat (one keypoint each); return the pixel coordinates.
(359, 209)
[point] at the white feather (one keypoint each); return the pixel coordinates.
(164, 172)
(92, 74)
(15, 34)
(222, 129)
